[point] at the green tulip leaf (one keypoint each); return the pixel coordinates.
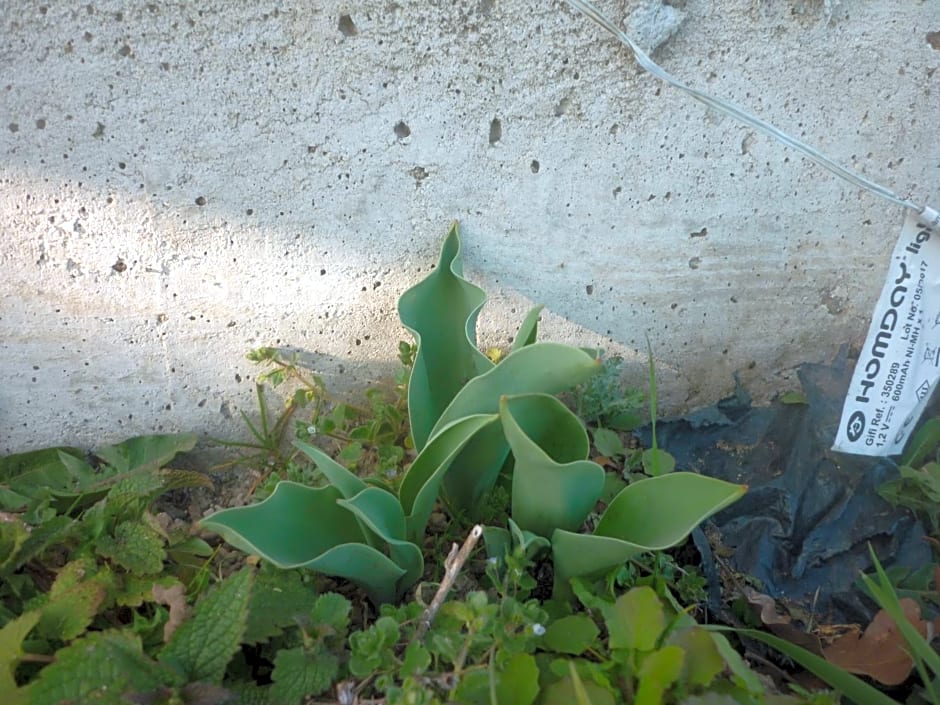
(659, 512)
(305, 527)
(538, 368)
(649, 515)
(441, 312)
(380, 577)
(475, 469)
(381, 512)
(553, 486)
(546, 368)
(422, 482)
(528, 331)
(586, 554)
(342, 479)
(500, 542)
(532, 544)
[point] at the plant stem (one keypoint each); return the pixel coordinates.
(452, 566)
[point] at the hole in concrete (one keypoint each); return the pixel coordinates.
(496, 131)
(402, 130)
(347, 26)
(534, 166)
(200, 200)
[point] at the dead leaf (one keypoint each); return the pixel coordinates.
(933, 39)
(173, 597)
(781, 624)
(880, 652)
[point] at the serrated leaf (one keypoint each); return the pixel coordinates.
(129, 488)
(74, 599)
(189, 694)
(570, 635)
(518, 682)
(330, 614)
(636, 620)
(608, 443)
(135, 546)
(202, 647)
(138, 589)
(54, 530)
(250, 693)
(98, 668)
(279, 599)
(11, 647)
(372, 647)
(298, 675)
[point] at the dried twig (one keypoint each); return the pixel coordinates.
(452, 566)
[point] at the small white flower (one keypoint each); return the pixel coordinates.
(538, 629)
(312, 430)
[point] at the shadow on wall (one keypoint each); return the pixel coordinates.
(183, 184)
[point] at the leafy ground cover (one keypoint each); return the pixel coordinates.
(485, 530)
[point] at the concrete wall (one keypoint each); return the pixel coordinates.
(183, 181)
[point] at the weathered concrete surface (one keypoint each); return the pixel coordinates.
(184, 181)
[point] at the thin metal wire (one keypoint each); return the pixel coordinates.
(587, 8)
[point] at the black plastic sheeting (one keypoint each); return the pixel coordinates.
(804, 526)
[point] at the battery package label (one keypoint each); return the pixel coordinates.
(899, 365)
